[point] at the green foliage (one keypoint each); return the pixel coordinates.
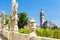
(8, 28)
(56, 33)
(40, 32)
(22, 20)
(55, 27)
(48, 33)
(7, 21)
(24, 30)
(43, 32)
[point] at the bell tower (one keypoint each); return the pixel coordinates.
(41, 18)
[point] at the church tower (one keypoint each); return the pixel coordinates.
(41, 18)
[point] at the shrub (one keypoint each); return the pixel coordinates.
(56, 33)
(24, 30)
(43, 32)
(40, 32)
(48, 33)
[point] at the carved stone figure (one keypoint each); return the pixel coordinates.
(3, 21)
(13, 16)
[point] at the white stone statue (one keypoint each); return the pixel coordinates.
(32, 23)
(3, 20)
(13, 16)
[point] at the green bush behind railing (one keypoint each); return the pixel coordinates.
(23, 30)
(48, 33)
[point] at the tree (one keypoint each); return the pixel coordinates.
(55, 27)
(22, 20)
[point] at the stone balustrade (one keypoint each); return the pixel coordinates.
(19, 36)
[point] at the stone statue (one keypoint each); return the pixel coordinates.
(13, 20)
(3, 21)
(13, 17)
(32, 23)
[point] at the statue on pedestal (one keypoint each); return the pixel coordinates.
(32, 23)
(3, 21)
(13, 20)
(13, 16)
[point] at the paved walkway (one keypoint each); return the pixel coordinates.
(2, 38)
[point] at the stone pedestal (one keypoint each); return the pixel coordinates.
(11, 35)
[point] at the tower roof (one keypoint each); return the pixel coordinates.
(42, 12)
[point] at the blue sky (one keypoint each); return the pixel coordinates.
(33, 7)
